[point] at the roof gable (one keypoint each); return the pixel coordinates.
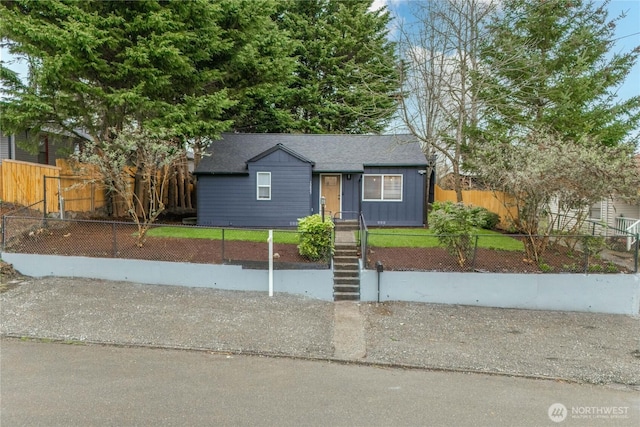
(279, 147)
(329, 153)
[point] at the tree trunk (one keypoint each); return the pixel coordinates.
(457, 185)
(188, 190)
(181, 185)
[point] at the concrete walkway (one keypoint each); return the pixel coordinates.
(348, 331)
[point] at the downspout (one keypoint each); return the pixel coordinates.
(12, 139)
(425, 198)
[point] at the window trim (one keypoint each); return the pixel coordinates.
(383, 176)
(599, 218)
(258, 186)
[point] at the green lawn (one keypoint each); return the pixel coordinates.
(384, 237)
(279, 236)
(424, 238)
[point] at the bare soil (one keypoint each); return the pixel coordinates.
(105, 240)
(102, 239)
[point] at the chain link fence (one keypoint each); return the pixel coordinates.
(501, 253)
(27, 230)
(164, 242)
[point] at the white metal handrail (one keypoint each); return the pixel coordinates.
(631, 226)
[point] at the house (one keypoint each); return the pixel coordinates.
(271, 180)
(50, 147)
(617, 214)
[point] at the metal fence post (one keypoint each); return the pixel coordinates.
(4, 235)
(364, 248)
(585, 249)
(114, 240)
(44, 207)
(635, 258)
(223, 245)
(475, 251)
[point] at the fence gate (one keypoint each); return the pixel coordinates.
(69, 193)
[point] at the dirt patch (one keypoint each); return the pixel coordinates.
(6, 208)
(556, 260)
(118, 240)
(8, 277)
(109, 240)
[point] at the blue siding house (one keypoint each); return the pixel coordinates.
(271, 180)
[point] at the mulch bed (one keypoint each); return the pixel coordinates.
(103, 239)
(95, 239)
(486, 260)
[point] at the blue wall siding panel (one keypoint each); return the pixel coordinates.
(409, 212)
(315, 194)
(231, 200)
(350, 196)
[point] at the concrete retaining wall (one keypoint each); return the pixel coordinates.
(603, 293)
(312, 283)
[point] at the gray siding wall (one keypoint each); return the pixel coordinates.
(4, 147)
(59, 147)
(21, 154)
(409, 212)
(231, 200)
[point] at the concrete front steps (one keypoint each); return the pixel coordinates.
(346, 271)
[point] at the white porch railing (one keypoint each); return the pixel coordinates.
(632, 228)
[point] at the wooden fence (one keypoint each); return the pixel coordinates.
(23, 183)
(81, 189)
(494, 201)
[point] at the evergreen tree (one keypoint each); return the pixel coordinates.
(346, 78)
(552, 131)
(170, 68)
(548, 65)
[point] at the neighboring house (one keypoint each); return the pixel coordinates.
(50, 147)
(271, 180)
(616, 214)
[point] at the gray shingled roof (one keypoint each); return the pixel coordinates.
(330, 153)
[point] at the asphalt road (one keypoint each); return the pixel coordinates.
(71, 385)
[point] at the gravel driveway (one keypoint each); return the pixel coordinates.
(584, 347)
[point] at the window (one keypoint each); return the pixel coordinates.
(382, 188)
(264, 185)
(595, 212)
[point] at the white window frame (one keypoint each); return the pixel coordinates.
(258, 186)
(382, 177)
(599, 204)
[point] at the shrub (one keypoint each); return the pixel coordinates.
(544, 267)
(596, 268)
(315, 237)
(480, 217)
(484, 218)
(453, 226)
(594, 245)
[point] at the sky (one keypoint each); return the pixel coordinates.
(627, 33)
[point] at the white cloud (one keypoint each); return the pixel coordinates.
(378, 4)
